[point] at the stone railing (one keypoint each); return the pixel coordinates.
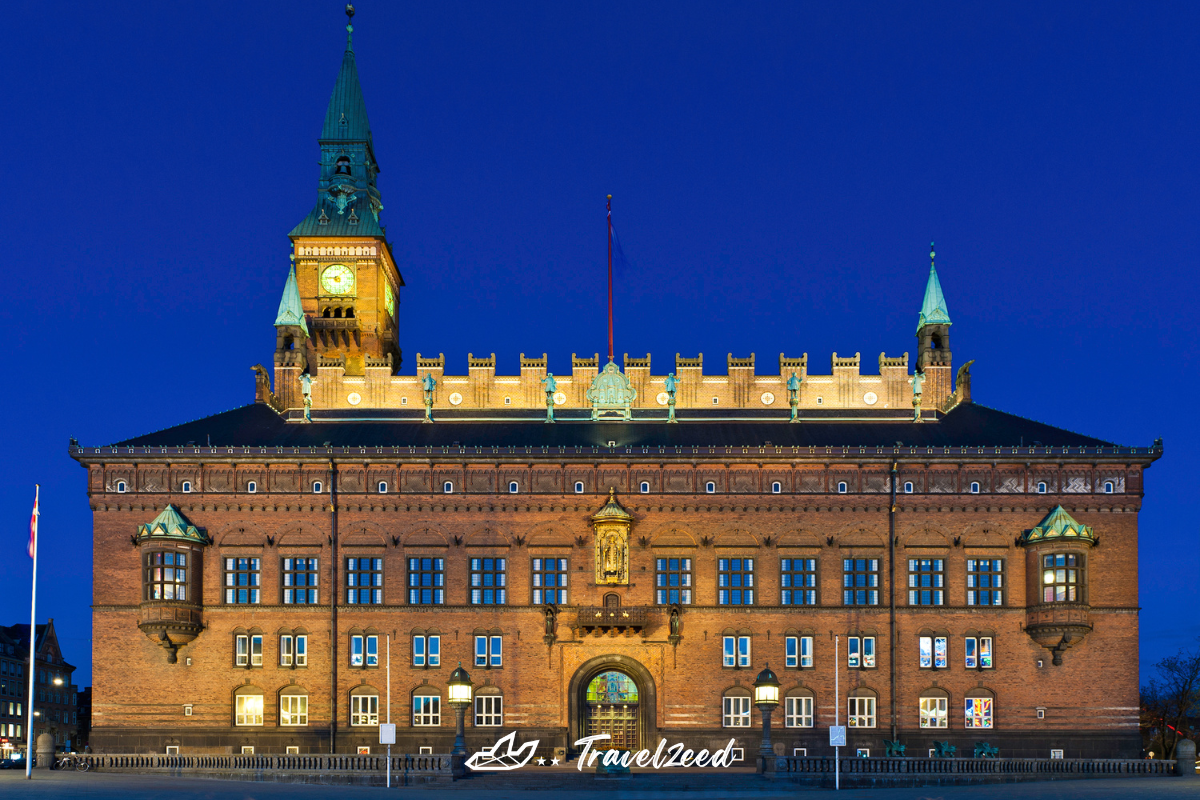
(406, 769)
(933, 770)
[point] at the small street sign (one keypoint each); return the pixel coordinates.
(387, 733)
(837, 735)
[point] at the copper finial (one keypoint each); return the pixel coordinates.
(350, 12)
(931, 254)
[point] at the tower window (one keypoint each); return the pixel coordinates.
(842, 487)
(120, 487)
(513, 488)
(776, 487)
(343, 166)
(508, 401)
(1041, 487)
(710, 488)
(349, 313)
(1108, 487)
(578, 487)
(186, 487)
(645, 487)
(316, 487)
(326, 313)
(715, 401)
(974, 487)
(908, 487)
(448, 487)
(383, 487)
(337, 313)
(935, 342)
(251, 487)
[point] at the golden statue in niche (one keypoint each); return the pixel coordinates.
(612, 524)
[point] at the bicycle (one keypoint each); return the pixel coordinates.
(70, 760)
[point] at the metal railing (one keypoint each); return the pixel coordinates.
(1048, 767)
(429, 764)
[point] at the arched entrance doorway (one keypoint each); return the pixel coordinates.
(613, 694)
(611, 706)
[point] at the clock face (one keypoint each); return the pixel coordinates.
(389, 299)
(338, 279)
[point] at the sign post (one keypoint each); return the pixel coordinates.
(387, 731)
(837, 734)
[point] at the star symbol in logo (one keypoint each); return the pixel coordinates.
(554, 762)
(541, 762)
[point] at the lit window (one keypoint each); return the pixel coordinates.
(985, 582)
(489, 711)
(1041, 487)
(293, 709)
(316, 487)
(427, 711)
(383, 487)
(978, 712)
(977, 652)
(241, 580)
(860, 581)
(448, 487)
(798, 577)
(933, 652)
(974, 487)
(1060, 578)
(860, 652)
(427, 650)
(842, 488)
(426, 579)
(798, 712)
(776, 487)
(364, 709)
(860, 712)
(925, 581)
(736, 651)
(121, 487)
(549, 581)
(299, 581)
(933, 712)
(578, 487)
(251, 487)
(735, 581)
(489, 651)
(488, 581)
(187, 487)
(249, 709)
(908, 487)
(735, 711)
(364, 581)
(710, 487)
(166, 576)
(1108, 487)
(645, 487)
(673, 581)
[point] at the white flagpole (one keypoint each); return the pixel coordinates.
(837, 704)
(389, 707)
(32, 639)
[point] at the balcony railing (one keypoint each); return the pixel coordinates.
(603, 617)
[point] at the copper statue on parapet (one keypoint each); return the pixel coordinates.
(306, 383)
(917, 380)
(671, 383)
(793, 387)
(551, 387)
(428, 383)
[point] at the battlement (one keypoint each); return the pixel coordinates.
(740, 387)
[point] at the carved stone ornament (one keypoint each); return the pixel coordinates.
(611, 394)
(612, 524)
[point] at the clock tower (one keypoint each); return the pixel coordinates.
(346, 281)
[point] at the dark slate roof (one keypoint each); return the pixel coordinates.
(259, 426)
(339, 224)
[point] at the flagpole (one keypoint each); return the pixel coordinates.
(610, 318)
(32, 633)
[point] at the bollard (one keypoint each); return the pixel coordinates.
(45, 751)
(1185, 758)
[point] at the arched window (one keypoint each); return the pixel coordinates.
(1108, 487)
(326, 313)
(979, 710)
(293, 707)
(1041, 487)
(513, 488)
(710, 488)
(798, 709)
(349, 313)
(364, 706)
(448, 487)
(427, 707)
(317, 487)
(337, 313)
(860, 708)
(974, 487)
(908, 487)
(248, 707)
(251, 487)
(489, 707)
(735, 708)
(645, 487)
(186, 487)
(343, 166)
(383, 487)
(935, 342)
(578, 487)
(776, 487)
(934, 707)
(842, 487)
(120, 487)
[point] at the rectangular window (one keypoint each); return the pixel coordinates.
(735, 581)
(293, 709)
(978, 652)
(926, 580)
(241, 650)
(489, 651)
(970, 656)
(372, 651)
(978, 712)
(549, 581)
(299, 581)
(166, 576)
(256, 650)
(806, 652)
(735, 712)
(853, 652)
(933, 712)
(356, 651)
(488, 581)
(241, 580)
(489, 711)
(1060, 575)
(933, 652)
(427, 651)
(791, 652)
(426, 577)
(248, 709)
(798, 577)
(798, 712)
(427, 710)
(673, 581)
(364, 581)
(868, 647)
(860, 651)
(860, 582)
(985, 582)
(302, 650)
(364, 709)
(860, 712)
(287, 653)
(736, 651)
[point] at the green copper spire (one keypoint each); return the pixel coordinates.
(346, 117)
(933, 310)
(290, 310)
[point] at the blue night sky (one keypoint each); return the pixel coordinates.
(778, 171)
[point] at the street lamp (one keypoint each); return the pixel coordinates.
(459, 688)
(766, 697)
(58, 681)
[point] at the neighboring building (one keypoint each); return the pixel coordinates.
(611, 570)
(54, 693)
(85, 717)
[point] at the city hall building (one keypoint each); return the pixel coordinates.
(619, 550)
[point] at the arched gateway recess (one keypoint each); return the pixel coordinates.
(613, 695)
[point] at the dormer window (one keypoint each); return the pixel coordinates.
(343, 166)
(1041, 487)
(120, 487)
(186, 487)
(1108, 487)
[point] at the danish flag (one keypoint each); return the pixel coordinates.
(33, 520)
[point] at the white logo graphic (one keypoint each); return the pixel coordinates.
(502, 756)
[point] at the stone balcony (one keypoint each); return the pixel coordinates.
(1057, 626)
(619, 619)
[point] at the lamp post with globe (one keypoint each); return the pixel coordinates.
(459, 691)
(766, 697)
